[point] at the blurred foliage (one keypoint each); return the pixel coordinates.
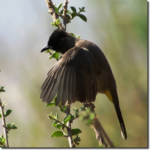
(118, 27)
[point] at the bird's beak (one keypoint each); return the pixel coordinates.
(45, 48)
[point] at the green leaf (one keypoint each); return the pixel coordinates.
(83, 108)
(0, 115)
(55, 55)
(78, 36)
(67, 118)
(76, 131)
(54, 123)
(60, 57)
(68, 12)
(92, 115)
(63, 109)
(57, 134)
(8, 112)
(56, 9)
(57, 125)
(73, 9)
(13, 126)
(75, 109)
(82, 17)
(59, 6)
(62, 11)
(73, 15)
(82, 9)
(51, 116)
(48, 51)
(51, 104)
(2, 141)
(68, 18)
(2, 89)
(8, 126)
(58, 21)
(72, 34)
(54, 24)
(56, 116)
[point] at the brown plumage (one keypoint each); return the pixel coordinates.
(82, 72)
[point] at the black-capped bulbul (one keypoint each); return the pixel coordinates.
(80, 74)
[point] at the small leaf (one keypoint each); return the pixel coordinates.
(62, 11)
(56, 9)
(92, 115)
(56, 116)
(57, 134)
(72, 34)
(2, 89)
(13, 126)
(73, 15)
(58, 126)
(82, 17)
(68, 12)
(76, 131)
(60, 57)
(63, 109)
(55, 55)
(83, 109)
(57, 21)
(51, 116)
(0, 115)
(68, 18)
(78, 36)
(75, 109)
(51, 104)
(8, 112)
(67, 118)
(82, 9)
(48, 51)
(54, 24)
(59, 6)
(73, 9)
(54, 124)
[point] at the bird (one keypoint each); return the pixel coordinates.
(80, 74)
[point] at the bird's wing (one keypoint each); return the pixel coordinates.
(72, 79)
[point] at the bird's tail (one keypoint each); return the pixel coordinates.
(123, 129)
(113, 97)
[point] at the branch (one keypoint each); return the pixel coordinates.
(52, 12)
(4, 124)
(99, 131)
(58, 121)
(64, 13)
(69, 129)
(68, 107)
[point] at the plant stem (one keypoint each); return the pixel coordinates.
(64, 13)
(69, 128)
(4, 124)
(52, 12)
(99, 131)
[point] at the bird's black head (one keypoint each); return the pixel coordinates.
(60, 41)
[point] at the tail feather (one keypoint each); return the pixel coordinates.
(123, 129)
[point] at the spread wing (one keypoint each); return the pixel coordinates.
(72, 79)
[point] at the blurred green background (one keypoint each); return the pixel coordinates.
(118, 27)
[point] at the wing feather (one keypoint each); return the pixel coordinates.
(72, 78)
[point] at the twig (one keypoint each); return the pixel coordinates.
(58, 121)
(99, 131)
(52, 12)
(55, 16)
(4, 124)
(64, 13)
(69, 129)
(68, 107)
